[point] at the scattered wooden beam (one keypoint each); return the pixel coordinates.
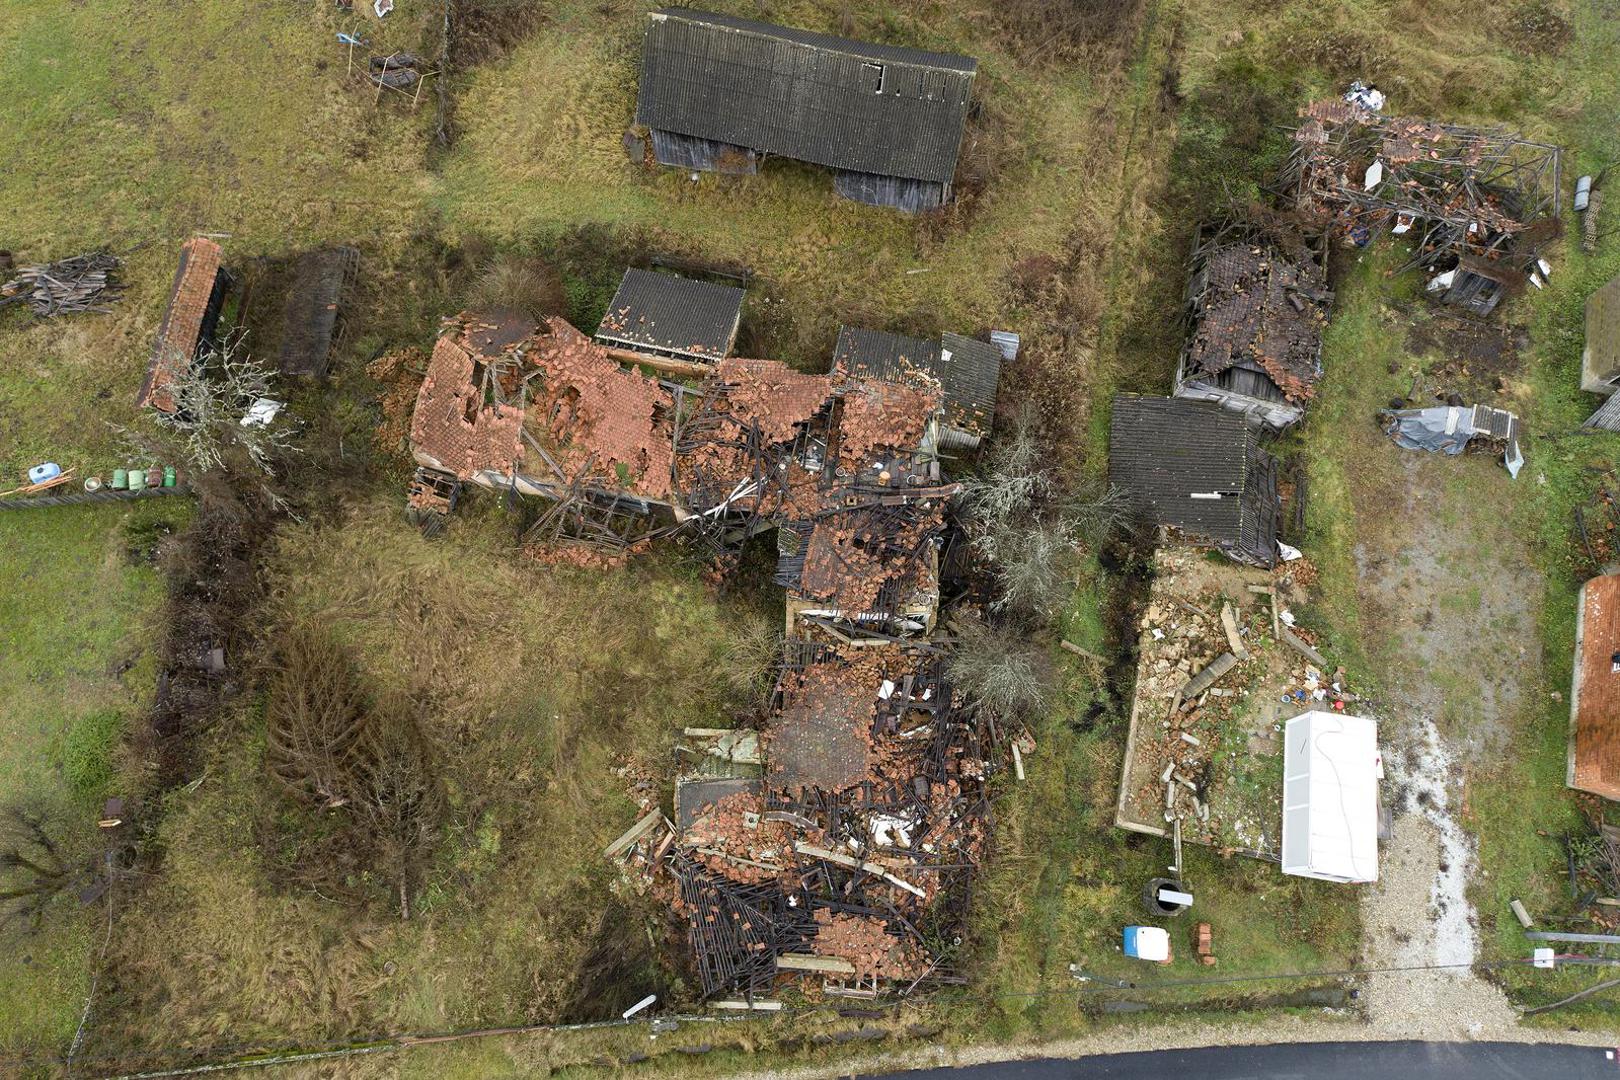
(829, 965)
(1018, 761)
(1579, 939)
(1087, 653)
(1522, 915)
(855, 864)
(1233, 638)
(632, 834)
(669, 366)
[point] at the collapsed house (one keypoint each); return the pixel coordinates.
(847, 466)
(718, 93)
(1594, 696)
(665, 315)
(201, 283)
(312, 317)
(966, 369)
(857, 826)
(1254, 320)
(1198, 472)
(822, 845)
(1478, 204)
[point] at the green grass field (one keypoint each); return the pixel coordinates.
(77, 618)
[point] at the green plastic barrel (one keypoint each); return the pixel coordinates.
(137, 479)
(120, 479)
(168, 476)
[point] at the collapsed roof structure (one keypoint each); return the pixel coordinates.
(720, 92)
(846, 464)
(1197, 470)
(1254, 320)
(967, 371)
(1480, 203)
(865, 826)
(666, 315)
(1594, 697)
(187, 331)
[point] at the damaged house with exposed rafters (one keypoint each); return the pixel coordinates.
(817, 849)
(1477, 204)
(1256, 306)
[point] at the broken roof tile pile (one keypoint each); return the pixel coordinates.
(872, 811)
(1251, 308)
(967, 371)
(601, 418)
(1464, 193)
(1594, 745)
(502, 393)
(188, 322)
(452, 424)
(676, 316)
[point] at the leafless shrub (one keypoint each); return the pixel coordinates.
(334, 750)
(212, 400)
(34, 866)
(999, 672)
(530, 287)
(1065, 31)
(1028, 528)
(751, 658)
(399, 799)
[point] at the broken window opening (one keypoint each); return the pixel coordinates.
(873, 75)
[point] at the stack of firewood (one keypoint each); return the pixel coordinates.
(82, 283)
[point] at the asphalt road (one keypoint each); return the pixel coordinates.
(1308, 1061)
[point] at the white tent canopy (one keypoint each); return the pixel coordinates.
(1330, 797)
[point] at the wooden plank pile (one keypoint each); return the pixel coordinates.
(83, 283)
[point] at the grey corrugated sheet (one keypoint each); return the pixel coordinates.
(804, 95)
(968, 377)
(1607, 416)
(1162, 450)
(675, 315)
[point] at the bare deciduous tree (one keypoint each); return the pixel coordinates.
(317, 718)
(399, 799)
(211, 418)
(1028, 527)
(34, 866)
(999, 672)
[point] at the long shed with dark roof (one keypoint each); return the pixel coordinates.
(1198, 470)
(718, 91)
(666, 315)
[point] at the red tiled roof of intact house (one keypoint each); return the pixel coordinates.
(452, 424)
(176, 345)
(1594, 763)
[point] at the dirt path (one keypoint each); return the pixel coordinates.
(1449, 599)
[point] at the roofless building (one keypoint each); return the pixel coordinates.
(719, 93)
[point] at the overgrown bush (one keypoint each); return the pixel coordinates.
(1001, 673)
(1029, 528)
(528, 286)
(365, 765)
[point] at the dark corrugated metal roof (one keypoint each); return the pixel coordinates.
(967, 369)
(670, 314)
(847, 104)
(1165, 451)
